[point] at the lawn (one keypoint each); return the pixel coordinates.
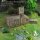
(21, 32)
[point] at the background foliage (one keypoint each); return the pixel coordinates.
(30, 5)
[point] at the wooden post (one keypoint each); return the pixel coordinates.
(21, 12)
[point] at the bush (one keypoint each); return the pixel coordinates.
(30, 5)
(5, 30)
(29, 38)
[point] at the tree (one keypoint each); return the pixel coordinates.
(31, 5)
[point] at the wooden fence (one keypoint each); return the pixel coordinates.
(16, 20)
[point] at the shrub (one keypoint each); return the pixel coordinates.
(29, 38)
(30, 5)
(5, 29)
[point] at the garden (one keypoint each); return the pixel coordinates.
(29, 31)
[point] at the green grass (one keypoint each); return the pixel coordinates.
(21, 30)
